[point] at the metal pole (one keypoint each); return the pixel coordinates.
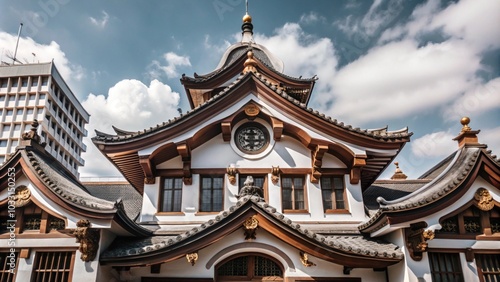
(17, 43)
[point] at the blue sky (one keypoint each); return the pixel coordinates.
(421, 64)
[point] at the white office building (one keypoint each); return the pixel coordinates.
(38, 91)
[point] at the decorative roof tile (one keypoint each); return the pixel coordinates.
(351, 244)
(387, 136)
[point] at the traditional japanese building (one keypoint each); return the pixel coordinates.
(253, 185)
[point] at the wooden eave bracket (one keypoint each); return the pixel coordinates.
(226, 131)
(317, 161)
(148, 169)
(185, 153)
(358, 163)
(277, 128)
(416, 238)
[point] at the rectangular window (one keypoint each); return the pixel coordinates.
(3, 84)
(34, 81)
(5, 260)
(45, 81)
(293, 192)
(10, 112)
(211, 193)
(12, 98)
(53, 266)
(445, 267)
(171, 195)
(15, 82)
(488, 266)
(3, 143)
(333, 192)
(2, 98)
(24, 82)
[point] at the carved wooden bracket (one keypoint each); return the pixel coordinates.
(275, 174)
(185, 153)
(148, 168)
(88, 238)
(192, 258)
(231, 174)
(250, 225)
(416, 238)
(277, 128)
(226, 131)
(317, 161)
(304, 259)
(358, 163)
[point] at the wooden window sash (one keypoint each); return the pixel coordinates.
(212, 190)
(293, 191)
(173, 190)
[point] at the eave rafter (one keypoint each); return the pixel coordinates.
(148, 168)
(358, 163)
(185, 152)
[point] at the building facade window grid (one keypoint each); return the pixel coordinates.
(293, 192)
(171, 195)
(52, 266)
(211, 199)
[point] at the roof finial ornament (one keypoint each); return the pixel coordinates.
(247, 27)
(465, 124)
(250, 63)
(398, 174)
(32, 134)
(467, 136)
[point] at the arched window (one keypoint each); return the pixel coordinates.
(255, 267)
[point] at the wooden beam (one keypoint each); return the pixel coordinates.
(317, 161)
(226, 131)
(358, 163)
(277, 128)
(148, 169)
(185, 152)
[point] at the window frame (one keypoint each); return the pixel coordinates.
(5, 268)
(333, 198)
(479, 264)
(305, 209)
(34, 272)
(212, 189)
(447, 257)
(174, 189)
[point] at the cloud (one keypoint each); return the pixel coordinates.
(311, 18)
(303, 54)
(437, 144)
(30, 51)
(156, 69)
(378, 17)
(101, 23)
(129, 105)
(489, 136)
(400, 79)
(477, 100)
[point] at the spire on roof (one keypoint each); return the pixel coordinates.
(247, 27)
(467, 136)
(250, 63)
(398, 174)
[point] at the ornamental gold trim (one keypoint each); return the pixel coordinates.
(192, 258)
(250, 225)
(22, 196)
(484, 199)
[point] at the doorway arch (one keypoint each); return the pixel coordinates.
(249, 267)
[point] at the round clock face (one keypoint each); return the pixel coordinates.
(252, 138)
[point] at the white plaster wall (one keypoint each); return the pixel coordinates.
(202, 268)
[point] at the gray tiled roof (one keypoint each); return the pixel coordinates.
(63, 184)
(452, 176)
(379, 134)
(132, 200)
(354, 244)
(390, 190)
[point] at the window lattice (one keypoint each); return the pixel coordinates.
(5, 274)
(56, 223)
(32, 222)
(472, 225)
(450, 225)
(445, 267)
(235, 267)
(490, 266)
(495, 225)
(52, 266)
(266, 267)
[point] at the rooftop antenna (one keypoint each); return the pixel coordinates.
(17, 43)
(247, 7)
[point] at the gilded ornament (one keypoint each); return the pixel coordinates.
(304, 259)
(231, 174)
(250, 225)
(22, 196)
(192, 258)
(275, 174)
(484, 199)
(251, 110)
